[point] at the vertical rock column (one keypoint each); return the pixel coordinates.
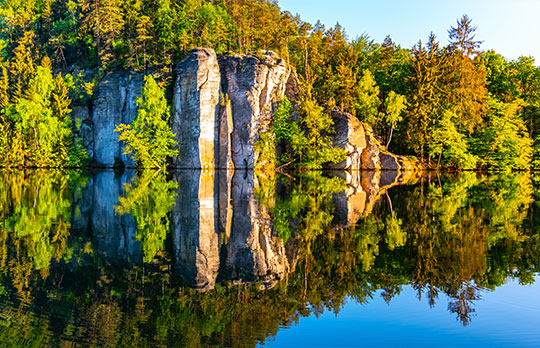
(196, 110)
(254, 87)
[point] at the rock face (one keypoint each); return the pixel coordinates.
(114, 103)
(364, 150)
(254, 87)
(196, 115)
(222, 104)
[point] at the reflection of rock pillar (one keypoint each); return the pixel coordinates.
(225, 206)
(195, 235)
(364, 189)
(227, 167)
(252, 251)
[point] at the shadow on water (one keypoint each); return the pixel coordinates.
(216, 258)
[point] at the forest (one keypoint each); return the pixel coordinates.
(453, 106)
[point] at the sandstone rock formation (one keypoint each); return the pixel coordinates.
(114, 103)
(196, 103)
(364, 150)
(221, 105)
(254, 87)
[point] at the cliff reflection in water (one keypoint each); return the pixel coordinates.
(219, 258)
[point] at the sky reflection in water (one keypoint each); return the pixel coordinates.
(507, 317)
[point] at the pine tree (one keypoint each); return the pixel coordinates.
(104, 19)
(468, 92)
(4, 87)
(144, 29)
(427, 94)
(21, 68)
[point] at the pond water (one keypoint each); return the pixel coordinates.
(243, 259)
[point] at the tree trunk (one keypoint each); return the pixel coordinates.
(390, 137)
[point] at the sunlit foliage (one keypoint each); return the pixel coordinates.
(149, 137)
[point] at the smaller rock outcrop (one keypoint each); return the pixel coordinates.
(364, 150)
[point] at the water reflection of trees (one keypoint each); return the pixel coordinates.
(454, 225)
(149, 199)
(451, 234)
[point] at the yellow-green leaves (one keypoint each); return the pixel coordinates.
(149, 199)
(149, 137)
(367, 105)
(36, 131)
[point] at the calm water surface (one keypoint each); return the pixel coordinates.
(202, 258)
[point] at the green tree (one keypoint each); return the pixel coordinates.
(318, 147)
(38, 124)
(505, 143)
(368, 103)
(449, 145)
(149, 137)
(394, 105)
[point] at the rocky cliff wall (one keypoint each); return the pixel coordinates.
(220, 106)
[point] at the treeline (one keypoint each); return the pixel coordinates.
(451, 106)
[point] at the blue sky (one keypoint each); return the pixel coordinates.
(510, 27)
